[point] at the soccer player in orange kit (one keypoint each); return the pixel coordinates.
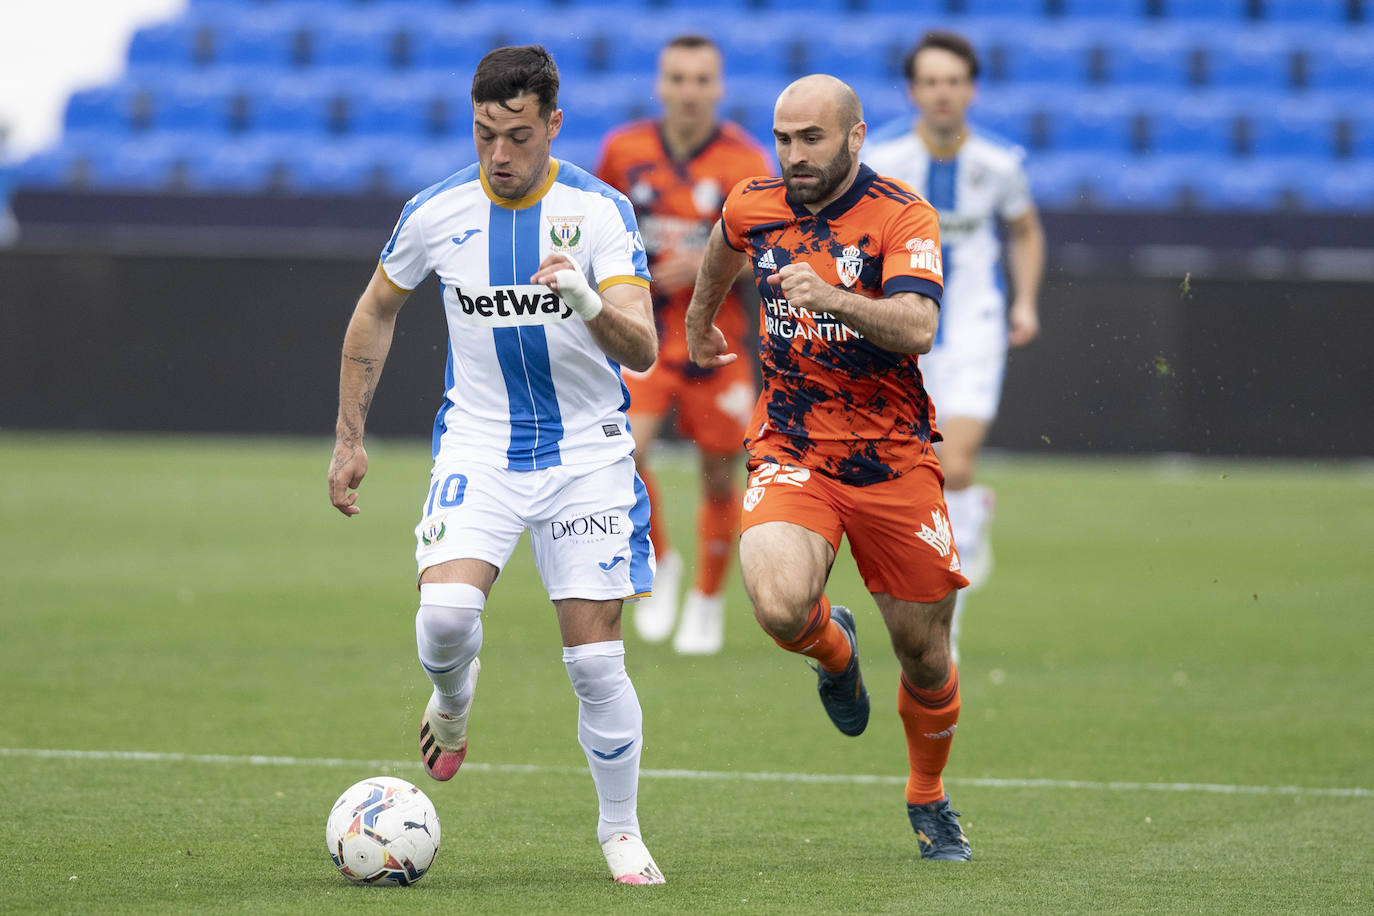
(676, 171)
(848, 266)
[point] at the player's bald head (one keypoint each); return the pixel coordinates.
(822, 98)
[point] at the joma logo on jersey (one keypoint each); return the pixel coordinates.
(925, 255)
(521, 303)
(565, 232)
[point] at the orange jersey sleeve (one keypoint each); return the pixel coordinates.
(833, 401)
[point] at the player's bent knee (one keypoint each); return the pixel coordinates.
(781, 620)
(597, 671)
(450, 614)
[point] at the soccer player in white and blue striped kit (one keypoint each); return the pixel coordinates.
(978, 185)
(545, 287)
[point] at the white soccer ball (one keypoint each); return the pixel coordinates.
(382, 830)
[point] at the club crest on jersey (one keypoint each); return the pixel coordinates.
(848, 265)
(564, 232)
(925, 255)
(434, 533)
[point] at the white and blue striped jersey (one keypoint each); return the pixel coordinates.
(982, 186)
(526, 385)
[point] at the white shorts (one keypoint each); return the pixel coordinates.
(589, 526)
(963, 372)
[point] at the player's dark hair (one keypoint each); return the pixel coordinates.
(692, 42)
(952, 42)
(506, 73)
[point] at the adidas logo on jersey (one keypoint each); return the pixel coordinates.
(767, 262)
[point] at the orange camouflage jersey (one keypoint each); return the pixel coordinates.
(677, 202)
(832, 401)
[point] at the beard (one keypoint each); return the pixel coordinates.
(828, 175)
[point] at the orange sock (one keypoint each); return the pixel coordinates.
(929, 718)
(717, 522)
(658, 525)
(822, 640)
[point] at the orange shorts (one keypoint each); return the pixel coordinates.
(713, 407)
(898, 530)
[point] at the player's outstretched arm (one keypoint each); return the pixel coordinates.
(620, 318)
(366, 344)
(903, 322)
(720, 267)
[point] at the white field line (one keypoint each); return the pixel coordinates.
(705, 775)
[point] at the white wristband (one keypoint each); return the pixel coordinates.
(575, 291)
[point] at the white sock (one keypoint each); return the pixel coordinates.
(968, 514)
(610, 730)
(448, 634)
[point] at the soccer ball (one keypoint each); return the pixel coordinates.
(382, 830)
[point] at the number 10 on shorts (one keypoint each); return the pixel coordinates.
(448, 491)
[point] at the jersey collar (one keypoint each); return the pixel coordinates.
(529, 199)
(692, 154)
(840, 205)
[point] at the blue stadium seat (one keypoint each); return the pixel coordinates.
(1054, 55)
(1060, 181)
(1293, 126)
(260, 41)
(1010, 9)
(1347, 64)
(1345, 188)
(1100, 122)
(1215, 10)
(104, 110)
(593, 107)
(395, 107)
(162, 45)
(143, 164)
(1248, 59)
(1362, 130)
(335, 167)
(452, 45)
(428, 164)
(1147, 57)
(1152, 183)
(1123, 11)
(1006, 112)
(50, 169)
(1192, 124)
(296, 104)
(1306, 10)
(1261, 184)
(358, 43)
(233, 167)
(191, 104)
(919, 10)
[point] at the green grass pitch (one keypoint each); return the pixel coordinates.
(1167, 688)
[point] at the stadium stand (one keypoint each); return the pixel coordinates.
(1124, 104)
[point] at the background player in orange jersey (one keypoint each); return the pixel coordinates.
(676, 171)
(840, 444)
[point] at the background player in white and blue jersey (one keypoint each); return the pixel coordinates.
(977, 183)
(546, 290)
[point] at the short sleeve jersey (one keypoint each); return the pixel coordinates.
(677, 202)
(831, 400)
(526, 386)
(984, 184)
